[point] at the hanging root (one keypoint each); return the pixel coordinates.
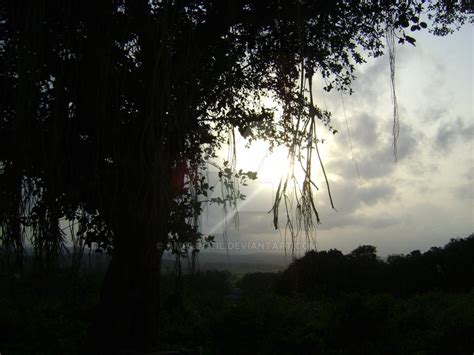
(390, 37)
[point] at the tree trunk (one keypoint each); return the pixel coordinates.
(128, 312)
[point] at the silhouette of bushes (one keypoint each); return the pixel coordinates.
(354, 323)
(324, 303)
(257, 283)
(330, 272)
(48, 314)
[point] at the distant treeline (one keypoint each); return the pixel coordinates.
(450, 268)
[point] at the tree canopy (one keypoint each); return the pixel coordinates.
(111, 110)
(448, 268)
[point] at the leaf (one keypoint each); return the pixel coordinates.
(328, 88)
(252, 175)
(410, 40)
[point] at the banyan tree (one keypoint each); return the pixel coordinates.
(111, 110)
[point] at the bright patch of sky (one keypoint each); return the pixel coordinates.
(424, 199)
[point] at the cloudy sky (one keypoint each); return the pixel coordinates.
(424, 199)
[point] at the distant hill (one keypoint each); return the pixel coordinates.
(207, 260)
(235, 263)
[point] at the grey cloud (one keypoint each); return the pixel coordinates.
(374, 75)
(255, 222)
(371, 162)
(381, 222)
(373, 149)
(407, 141)
(372, 194)
(378, 164)
(470, 174)
(349, 198)
(432, 86)
(433, 113)
(365, 131)
(450, 133)
(345, 196)
(368, 89)
(337, 220)
(465, 191)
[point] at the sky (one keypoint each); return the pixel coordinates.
(422, 200)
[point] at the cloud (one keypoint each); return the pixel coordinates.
(337, 220)
(365, 132)
(433, 113)
(408, 141)
(355, 198)
(465, 191)
(372, 194)
(469, 175)
(376, 73)
(373, 150)
(356, 204)
(450, 133)
(353, 203)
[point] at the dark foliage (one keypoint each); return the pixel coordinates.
(450, 269)
(353, 323)
(257, 283)
(52, 314)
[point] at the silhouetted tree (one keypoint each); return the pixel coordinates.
(364, 252)
(110, 110)
(450, 268)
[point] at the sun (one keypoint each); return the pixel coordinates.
(271, 166)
